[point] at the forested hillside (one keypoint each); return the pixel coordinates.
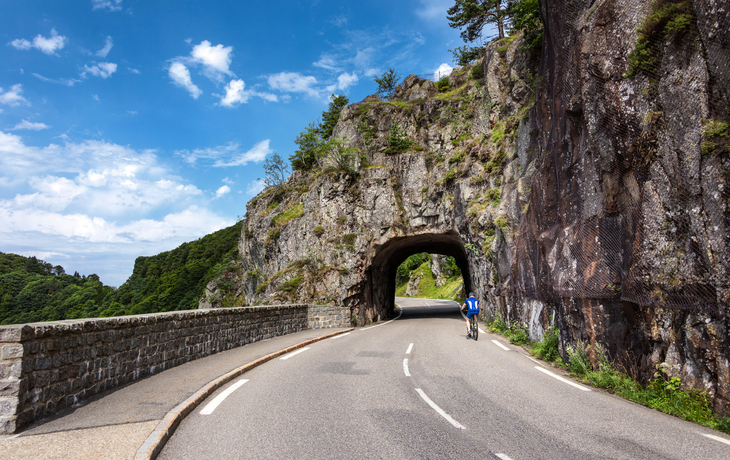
(32, 290)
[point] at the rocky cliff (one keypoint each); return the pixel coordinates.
(583, 186)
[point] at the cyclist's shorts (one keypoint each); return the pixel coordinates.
(469, 314)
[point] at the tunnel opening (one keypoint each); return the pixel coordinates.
(381, 274)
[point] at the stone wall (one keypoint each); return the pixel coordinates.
(323, 316)
(46, 367)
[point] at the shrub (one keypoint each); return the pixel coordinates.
(443, 85)
(547, 349)
(318, 231)
(578, 361)
(398, 140)
(291, 285)
(477, 73)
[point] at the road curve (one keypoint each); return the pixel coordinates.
(417, 388)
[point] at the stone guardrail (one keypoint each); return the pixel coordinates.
(47, 367)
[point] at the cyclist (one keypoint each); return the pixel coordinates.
(471, 305)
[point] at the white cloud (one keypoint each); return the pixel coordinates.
(215, 59)
(13, 97)
(228, 155)
(180, 75)
(111, 5)
(227, 181)
(25, 124)
(256, 187)
(237, 94)
(132, 112)
(48, 45)
(222, 191)
(372, 72)
(134, 70)
(344, 81)
(327, 62)
(96, 97)
(444, 70)
(293, 82)
(433, 9)
(102, 69)
(102, 53)
(59, 81)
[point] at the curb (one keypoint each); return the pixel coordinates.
(152, 447)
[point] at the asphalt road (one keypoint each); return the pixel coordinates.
(416, 388)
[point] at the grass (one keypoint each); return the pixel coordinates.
(427, 286)
(295, 212)
(664, 393)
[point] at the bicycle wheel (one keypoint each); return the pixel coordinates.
(474, 328)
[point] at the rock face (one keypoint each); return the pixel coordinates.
(589, 193)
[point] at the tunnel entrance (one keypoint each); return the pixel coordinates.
(381, 274)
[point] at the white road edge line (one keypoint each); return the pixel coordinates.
(294, 353)
(405, 367)
(499, 344)
(555, 376)
(502, 456)
(439, 410)
(378, 325)
(716, 438)
(211, 406)
(481, 331)
(410, 348)
(341, 335)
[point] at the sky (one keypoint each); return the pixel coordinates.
(128, 127)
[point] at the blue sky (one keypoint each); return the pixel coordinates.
(128, 127)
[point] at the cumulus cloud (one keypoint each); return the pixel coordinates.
(111, 5)
(216, 60)
(25, 124)
(433, 9)
(13, 97)
(222, 191)
(293, 82)
(48, 45)
(102, 53)
(327, 62)
(228, 155)
(444, 70)
(237, 94)
(344, 81)
(180, 75)
(102, 69)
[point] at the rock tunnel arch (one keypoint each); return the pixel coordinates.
(379, 292)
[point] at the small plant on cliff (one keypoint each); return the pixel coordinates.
(335, 155)
(716, 137)
(398, 140)
(443, 84)
(667, 19)
(318, 231)
(464, 55)
(477, 73)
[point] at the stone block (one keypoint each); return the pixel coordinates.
(12, 351)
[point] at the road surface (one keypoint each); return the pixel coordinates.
(416, 388)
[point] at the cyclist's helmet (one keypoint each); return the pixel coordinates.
(471, 294)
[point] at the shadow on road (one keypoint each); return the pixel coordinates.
(428, 308)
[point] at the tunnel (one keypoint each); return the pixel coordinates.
(381, 273)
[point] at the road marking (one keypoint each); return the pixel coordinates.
(499, 344)
(341, 335)
(371, 327)
(410, 347)
(211, 406)
(502, 456)
(294, 353)
(716, 438)
(405, 367)
(556, 376)
(439, 410)
(481, 331)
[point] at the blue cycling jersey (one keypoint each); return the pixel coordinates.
(472, 305)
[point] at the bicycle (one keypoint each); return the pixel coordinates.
(474, 327)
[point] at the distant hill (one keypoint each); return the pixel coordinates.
(32, 290)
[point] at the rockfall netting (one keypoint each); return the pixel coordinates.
(639, 159)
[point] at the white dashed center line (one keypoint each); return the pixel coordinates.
(502, 456)
(294, 353)
(439, 410)
(555, 376)
(211, 406)
(410, 348)
(499, 344)
(405, 367)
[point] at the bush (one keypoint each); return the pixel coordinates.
(477, 73)
(398, 139)
(548, 349)
(318, 231)
(443, 85)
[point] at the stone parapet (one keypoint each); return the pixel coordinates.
(46, 367)
(323, 316)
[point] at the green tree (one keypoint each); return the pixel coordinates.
(332, 115)
(473, 15)
(276, 171)
(464, 55)
(387, 83)
(525, 16)
(309, 142)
